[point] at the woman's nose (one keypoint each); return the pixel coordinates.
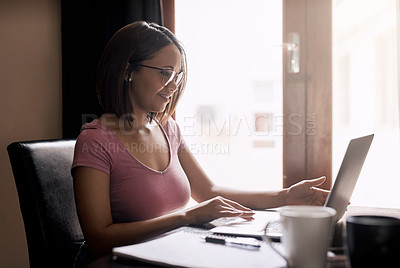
(172, 86)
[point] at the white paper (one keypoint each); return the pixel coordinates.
(187, 249)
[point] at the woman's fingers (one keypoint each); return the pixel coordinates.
(229, 213)
(320, 195)
(236, 213)
(236, 205)
(315, 182)
(215, 208)
(234, 209)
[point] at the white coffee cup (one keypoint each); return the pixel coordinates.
(306, 235)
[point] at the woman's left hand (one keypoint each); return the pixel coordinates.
(306, 193)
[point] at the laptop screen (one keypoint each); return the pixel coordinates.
(348, 174)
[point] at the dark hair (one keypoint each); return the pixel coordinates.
(133, 44)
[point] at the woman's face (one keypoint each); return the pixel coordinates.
(148, 93)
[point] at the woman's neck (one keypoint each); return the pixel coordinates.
(128, 124)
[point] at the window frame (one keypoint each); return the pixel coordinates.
(307, 95)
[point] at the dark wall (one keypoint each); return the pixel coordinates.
(86, 27)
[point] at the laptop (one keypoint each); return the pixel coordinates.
(338, 198)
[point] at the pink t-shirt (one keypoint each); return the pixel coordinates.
(137, 192)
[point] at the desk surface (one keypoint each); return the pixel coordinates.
(108, 262)
(335, 262)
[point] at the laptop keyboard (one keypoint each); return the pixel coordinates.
(274, 227)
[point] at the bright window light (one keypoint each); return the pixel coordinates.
(231, 111)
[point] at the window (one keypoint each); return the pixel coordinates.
(365, 94)
(231, 113)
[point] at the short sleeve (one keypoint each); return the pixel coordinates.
(174, 132)
(91, 151)
(181, 140)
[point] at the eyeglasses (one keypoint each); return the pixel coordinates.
(168, 75)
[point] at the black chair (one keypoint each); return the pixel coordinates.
(45, 190)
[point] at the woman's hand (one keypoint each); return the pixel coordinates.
(305, 193)
(215, 208)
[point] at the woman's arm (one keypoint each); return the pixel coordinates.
(92, 196)
(203, 188)
(93, 205)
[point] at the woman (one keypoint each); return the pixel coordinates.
(133, 174)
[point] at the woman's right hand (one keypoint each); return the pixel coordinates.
(215, 208)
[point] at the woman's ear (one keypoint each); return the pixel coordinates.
(128, 73)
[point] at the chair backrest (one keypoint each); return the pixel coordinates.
(45, 190)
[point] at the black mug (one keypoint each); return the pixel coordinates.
(373, 241)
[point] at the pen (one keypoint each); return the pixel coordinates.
(241, 242)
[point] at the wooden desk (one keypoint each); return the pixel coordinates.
(338, 261)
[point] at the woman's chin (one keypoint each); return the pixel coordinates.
(159, 110)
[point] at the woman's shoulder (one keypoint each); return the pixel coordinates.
(170, 125)
(94, 130)
(169, 122)
(95, 147)
(173, 131)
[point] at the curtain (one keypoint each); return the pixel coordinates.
(86, 27)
